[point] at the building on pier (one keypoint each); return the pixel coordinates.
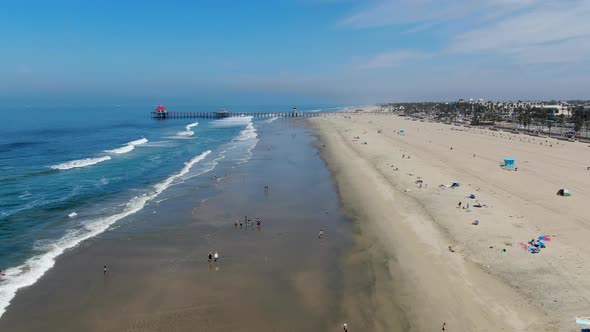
(160, 112)
(223, 114)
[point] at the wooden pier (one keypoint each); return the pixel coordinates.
(220, 115)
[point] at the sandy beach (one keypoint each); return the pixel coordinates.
(276, 277)
(440, 267)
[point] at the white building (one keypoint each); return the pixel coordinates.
(559, 109)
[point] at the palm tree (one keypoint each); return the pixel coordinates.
(561, 122)
(549, 125)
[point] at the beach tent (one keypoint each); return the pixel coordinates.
(563, 192)
(509, 162)
(583, 320)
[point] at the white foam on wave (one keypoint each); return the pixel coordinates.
(138, 141)
(35, 267)
(128, 147)
(271, 119)
(164, 143)
(237, 121)
(121, 150)
(80, 163)
(247, 138)
(248, 133)
(189, 126)
(187, 130)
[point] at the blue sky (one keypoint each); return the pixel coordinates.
(295, 51)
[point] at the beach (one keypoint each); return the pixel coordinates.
(398, 252)
(443, 268)
(276, 277)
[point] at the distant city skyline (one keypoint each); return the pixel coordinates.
(295, 51)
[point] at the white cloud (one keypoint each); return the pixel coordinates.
(551, 32)
(520, 31)
(419, 12)
(389, 59)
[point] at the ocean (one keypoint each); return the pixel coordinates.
(69, 174)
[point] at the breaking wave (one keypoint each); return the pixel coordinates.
(80, 163)
(35, 267)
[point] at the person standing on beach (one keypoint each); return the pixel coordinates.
(104, 270)
(444, 327)
(236, 224)
(216, 256)
(210, 257)
(345, 327)
(321, 234)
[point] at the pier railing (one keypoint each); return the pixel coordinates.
(215, 115)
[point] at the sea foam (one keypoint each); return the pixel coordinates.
(80, 163)
(35, 267)
(237, 121)
(271, 119)
(128, 147)
(187, 130)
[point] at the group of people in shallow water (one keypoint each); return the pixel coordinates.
(213, 257)
(248, 222)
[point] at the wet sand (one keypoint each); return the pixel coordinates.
(279, 277)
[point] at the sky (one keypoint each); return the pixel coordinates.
(294, 51)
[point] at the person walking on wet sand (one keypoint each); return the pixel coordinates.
(104, 270)
(321, 234)
(210, 257)
(344, 327)
(444, 327)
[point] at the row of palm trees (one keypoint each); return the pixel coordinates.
(525, 116)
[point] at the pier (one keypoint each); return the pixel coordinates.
(227, 114)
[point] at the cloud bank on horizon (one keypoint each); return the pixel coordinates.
(318, 50)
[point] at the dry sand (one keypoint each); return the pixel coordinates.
(476, 286)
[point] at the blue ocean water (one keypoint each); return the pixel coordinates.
(68, 174)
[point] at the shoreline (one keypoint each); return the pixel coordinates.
(466, 287)
(277, 277)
